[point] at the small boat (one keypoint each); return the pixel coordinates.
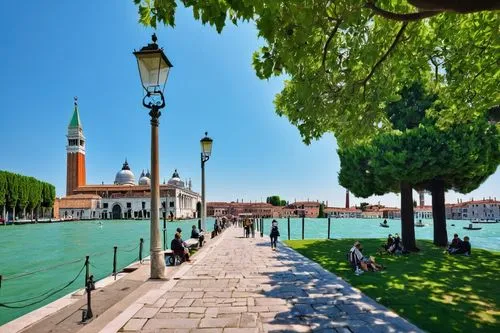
(470, 227)
(384, 225)
(420, 225)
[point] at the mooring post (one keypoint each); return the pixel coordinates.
(302, 227)
(164, 230)
(0, 280)
(261, 227)
(288, 227)
(141, 242)
(329, 227)
(89, 287)
(114, 260)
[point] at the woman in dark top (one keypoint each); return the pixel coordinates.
(178, 247)
(195, 234)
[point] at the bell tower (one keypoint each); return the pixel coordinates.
(75, 152)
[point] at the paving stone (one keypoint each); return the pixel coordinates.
(134, 324)
(184, 302)
(171, 315)
(171, 323)
(248, 320)
(241, 330)
(190, 309)
(206, 330)
(146, 312)
(219, 322)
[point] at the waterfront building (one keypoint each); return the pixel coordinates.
(423, 212)
(474, 209)
(125, 198)
(341, 212)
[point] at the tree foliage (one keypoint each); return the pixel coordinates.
(345, 60)
(321, 213)
(275, 200)
(18, 191)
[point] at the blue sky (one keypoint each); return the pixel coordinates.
(52, 52)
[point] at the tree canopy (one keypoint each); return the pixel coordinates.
(18, 191)
(345, 60)
(275, 200)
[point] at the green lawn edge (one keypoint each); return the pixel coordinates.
(435, 291)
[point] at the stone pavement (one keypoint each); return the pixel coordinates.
(241, 286)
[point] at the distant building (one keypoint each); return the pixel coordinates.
(474, 209)
(125, 198)
(341, 212)
(424, 212)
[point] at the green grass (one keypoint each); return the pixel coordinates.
(435, 291)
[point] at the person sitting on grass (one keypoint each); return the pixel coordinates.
(178, 248)
(455, 244)
(389, 243)
(464, 247)
(196, 234)
(361, 263)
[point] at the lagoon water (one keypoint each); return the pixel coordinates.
(36, 247)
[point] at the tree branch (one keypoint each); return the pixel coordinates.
(330, 37)
(401, 17)
(386, 54)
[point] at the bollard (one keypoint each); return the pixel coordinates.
(302, 227)
(140, 250)
(328, 227)
(199, 225)
(87, 269)
(0, 280)
(288, 227)
(89, 286)
(114, 261)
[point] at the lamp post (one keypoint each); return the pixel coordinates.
(154, 68)
(206, 151)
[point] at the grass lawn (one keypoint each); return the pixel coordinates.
(435, 291)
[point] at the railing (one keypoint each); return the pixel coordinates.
(88, 282)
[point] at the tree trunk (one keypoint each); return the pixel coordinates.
(14, 213)
(407, 218)
(439, 213)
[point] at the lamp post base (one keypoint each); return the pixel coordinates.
(157, 266)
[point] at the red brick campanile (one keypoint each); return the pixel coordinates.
(75, 153)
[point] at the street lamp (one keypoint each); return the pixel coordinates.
(206, 150)
(154, 68)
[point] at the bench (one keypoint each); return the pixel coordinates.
(174, 260)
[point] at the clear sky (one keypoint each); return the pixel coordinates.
(54, 51)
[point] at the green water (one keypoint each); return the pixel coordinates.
(38, 246)
(28, 248)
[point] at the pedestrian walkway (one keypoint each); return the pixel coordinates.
(241, 286)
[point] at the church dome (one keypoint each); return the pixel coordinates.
(176, 180)
(125, 176)
(144, 179)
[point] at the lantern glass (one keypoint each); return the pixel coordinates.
(154, 68)
(206, 145)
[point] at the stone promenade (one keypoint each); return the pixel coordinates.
(241, 286)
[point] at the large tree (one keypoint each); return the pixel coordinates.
(458, 158)
(346, 59)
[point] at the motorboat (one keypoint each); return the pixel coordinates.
(485, 221)
(420, 225)
(384, 225)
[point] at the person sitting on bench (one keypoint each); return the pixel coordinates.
(196, 234)
(178, 248)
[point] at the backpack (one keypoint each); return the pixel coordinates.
(275, 231)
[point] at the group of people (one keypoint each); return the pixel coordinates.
(219, 225)
(179, 246)
(393, 244)
(458, 246)
(249, 227)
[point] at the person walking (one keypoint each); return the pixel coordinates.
(275, 233)
(252, 228)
